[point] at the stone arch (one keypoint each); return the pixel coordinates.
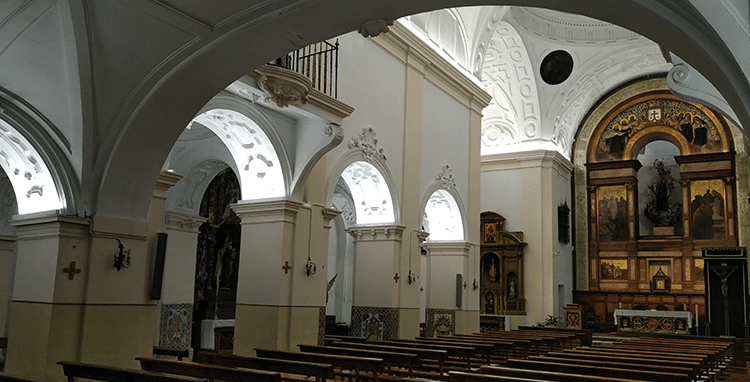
(260, 158)
(251, 40)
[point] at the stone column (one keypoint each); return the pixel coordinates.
(378, 276)
(178, 286)
(282, 278)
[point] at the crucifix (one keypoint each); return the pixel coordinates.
(396, 277)
(286, 267)
(71, 271)
(726, 271)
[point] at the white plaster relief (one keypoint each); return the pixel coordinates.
(32, 182)
(507, 75)
(196, 182)
(260, 174)
(367, 142)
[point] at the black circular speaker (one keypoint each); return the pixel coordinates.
(556, 67)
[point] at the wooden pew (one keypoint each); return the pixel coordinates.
(74, 370)
(320, 371)
(210, 372)
(503, 347)
(438, 356)
(598, 370)
(455, 351)
(330, 338)
(409, 361)
(358, 367)
(616, 364)
(169, 352)
(9, 378)
(695, 366)
(549, 375)
(585, 336)
(483, 350)
(462, 376)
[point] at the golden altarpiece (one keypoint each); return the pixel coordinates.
(660, 176)
(501, 266)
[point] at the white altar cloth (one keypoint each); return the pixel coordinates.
(207, 331)
(654, 313)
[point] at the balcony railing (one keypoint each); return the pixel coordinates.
(318, 62)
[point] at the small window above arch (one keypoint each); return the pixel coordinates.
(372, 197)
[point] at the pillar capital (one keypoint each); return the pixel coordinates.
(265, 211)
(177, 221)
(377, 232)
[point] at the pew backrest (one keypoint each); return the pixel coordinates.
(320, 371)
(212, 372)
(74, 370)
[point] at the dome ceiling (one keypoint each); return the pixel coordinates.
(505, 47)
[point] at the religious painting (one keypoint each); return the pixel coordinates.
(707, 209)
(698, 128)
(614, 269)
(698, 269)
(490, 232)
(612, 211)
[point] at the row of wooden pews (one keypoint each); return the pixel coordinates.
(525, 355)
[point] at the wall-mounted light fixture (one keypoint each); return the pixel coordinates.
(476, 285)
(310, 267)
(122, 257)
(412, 278)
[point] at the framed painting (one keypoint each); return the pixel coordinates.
(612, 213)
(490, 232)
(614, 269)
(707, 209)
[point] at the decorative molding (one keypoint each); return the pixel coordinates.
(284, 87)
(572, 29)
(368, 143)
(182, 222)
(374, 28)
(445, 177)
(196, 182)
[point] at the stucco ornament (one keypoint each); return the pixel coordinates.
(368, 143)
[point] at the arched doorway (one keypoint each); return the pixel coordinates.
(217, 258)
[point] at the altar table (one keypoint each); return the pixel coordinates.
(653, 321)
(207, 331)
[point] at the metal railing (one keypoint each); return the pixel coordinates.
(319, 62)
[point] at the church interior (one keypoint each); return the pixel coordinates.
(244, 174)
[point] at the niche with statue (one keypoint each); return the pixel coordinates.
(501, 284)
